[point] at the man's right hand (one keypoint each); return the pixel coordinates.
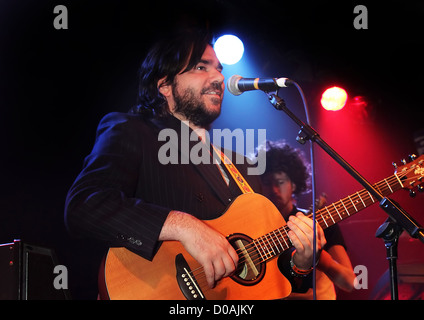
(210, 248)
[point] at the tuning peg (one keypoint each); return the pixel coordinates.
(412, 193)
(412, 157)
(394, 165)
(403, 161)
(420, 188)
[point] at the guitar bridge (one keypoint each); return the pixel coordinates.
(186, 281)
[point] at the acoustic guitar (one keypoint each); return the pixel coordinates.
(259, 234)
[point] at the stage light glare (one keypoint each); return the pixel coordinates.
(229, 49)
(334, 99)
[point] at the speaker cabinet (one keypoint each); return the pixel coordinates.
(410, 280)
(27, 273)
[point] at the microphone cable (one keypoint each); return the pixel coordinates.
(313, 186)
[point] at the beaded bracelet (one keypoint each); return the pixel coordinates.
(295, 271)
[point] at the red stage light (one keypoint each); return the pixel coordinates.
(334, 99)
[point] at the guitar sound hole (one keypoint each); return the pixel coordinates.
(250, 270)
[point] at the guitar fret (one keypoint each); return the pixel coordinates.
(268, 254)
(369, 198)
(400, 182)
(285, 230)
(378, 187)
(323, 219)
(266, 249)
(388, 185)
(258, 249)
(276, 245)
(352, 203)
(347, 211)
(337, 211)
(373, 201)
(281, 245)
(282, 237)
(361, 199)
(270, 245)
(326, 208)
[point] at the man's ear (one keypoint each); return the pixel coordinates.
(166, 91)
(164, 88)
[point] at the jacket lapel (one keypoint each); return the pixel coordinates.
(207, 169)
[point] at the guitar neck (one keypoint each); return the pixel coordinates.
(344, 208)
(277, 241)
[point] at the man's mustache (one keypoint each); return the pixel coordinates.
(215, 86)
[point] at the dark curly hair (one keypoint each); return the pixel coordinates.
(178, 52)
(281, 157)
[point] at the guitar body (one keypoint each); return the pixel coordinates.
(129, 276)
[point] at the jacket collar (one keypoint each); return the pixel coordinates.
(207, 169)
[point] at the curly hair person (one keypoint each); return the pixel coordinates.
(281, 157)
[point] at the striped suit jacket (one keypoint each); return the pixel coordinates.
(123, 194)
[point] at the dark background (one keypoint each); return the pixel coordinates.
(55, 85)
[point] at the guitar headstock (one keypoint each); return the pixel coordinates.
(412, 174)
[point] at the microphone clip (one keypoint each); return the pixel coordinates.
(276, 101)
(306, 132)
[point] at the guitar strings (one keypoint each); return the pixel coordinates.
(333, 212)
(251, 247)
(348, 203)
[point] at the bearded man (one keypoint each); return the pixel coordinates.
(126, 198)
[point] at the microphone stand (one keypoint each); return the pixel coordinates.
(399, 218)
(390, 233)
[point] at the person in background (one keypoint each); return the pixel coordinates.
(287, 175)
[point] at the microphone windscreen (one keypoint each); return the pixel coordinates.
(232, 85)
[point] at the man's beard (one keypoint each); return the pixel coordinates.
(194, 109)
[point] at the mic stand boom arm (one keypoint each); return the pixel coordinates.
(395, 212)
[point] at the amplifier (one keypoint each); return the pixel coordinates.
(27, 272)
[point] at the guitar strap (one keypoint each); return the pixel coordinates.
(237, 176)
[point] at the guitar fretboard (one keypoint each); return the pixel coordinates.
(277, 241)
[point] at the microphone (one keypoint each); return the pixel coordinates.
(237, 85)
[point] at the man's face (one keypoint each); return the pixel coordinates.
(197, 94)
(278, 188)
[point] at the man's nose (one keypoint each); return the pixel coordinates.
(217, 76)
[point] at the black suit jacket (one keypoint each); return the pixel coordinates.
(123, 194)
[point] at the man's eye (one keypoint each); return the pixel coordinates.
(201, 67)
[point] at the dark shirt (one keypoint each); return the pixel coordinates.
(333, 236)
